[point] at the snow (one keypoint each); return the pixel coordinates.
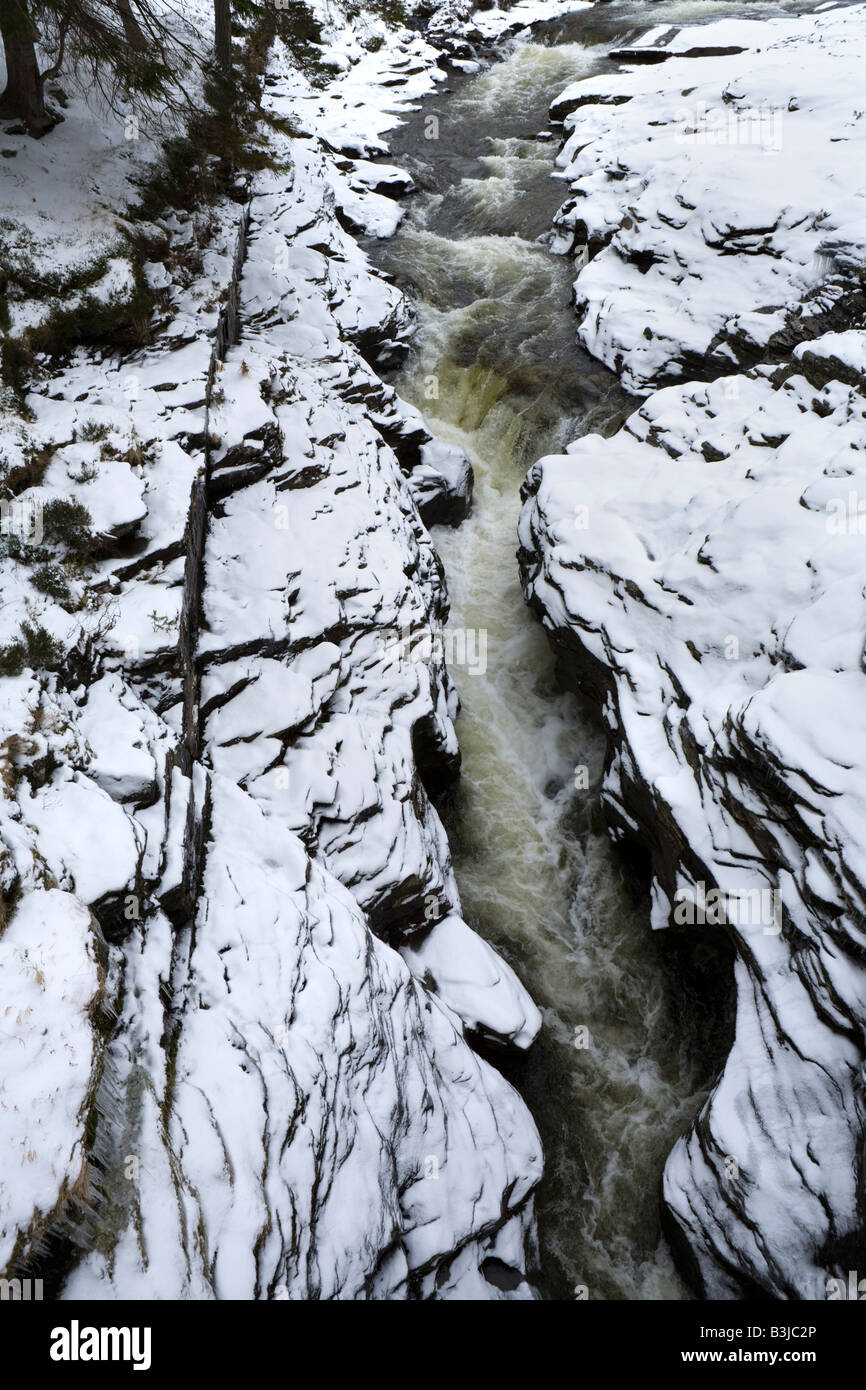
(754, 203)
(490, 23)
(281, 1108)
(702, 576)
(468, 974)
(50, 1059)
(304, 1076)
(65, 198)
(65, 814)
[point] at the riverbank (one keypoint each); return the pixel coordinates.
(210, 691)
(702, 580)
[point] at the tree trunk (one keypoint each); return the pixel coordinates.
(222, 13)
(135, 36)
(23, 96)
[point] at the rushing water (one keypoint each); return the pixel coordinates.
(497, 369)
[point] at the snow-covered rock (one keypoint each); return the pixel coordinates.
(720, 197)
(244, 994)
(702, 575)
(52, 1059)
(318, 1121)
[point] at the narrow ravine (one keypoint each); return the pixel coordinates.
(636, 1024)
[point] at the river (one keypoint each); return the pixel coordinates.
(636, 1023)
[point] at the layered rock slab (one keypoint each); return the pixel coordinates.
(711, 608)
(718, 198)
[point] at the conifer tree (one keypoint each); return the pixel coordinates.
(124, 47)
(223, 34)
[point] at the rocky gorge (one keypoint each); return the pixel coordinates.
(256, 1045)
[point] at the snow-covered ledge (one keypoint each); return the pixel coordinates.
(702, 576)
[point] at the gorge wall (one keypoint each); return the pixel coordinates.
(222, 1077)
(701, 576)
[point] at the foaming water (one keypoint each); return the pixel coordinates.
(615, 1076)
(623, 1061)
(510, 89)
